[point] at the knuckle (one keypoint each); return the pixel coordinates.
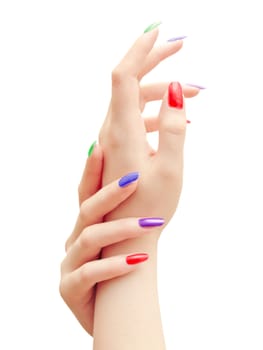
(170, 173)
(117, 76)
(66, 292)
(80, 189)
(83, 211)
(115, 137)
(62, 290)
(160, 55)
(67, 244)
(85, 239)
(101, 137)
(111, 270)
(112, 135)
(85, 275)
(62, 268)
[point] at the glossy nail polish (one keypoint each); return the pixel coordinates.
(151, 222)
(91, 149)
(127, 179)
(196, 86)
(177, 38)
(152, 26)
(136, 258)
(175, 95)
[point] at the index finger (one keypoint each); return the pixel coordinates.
(101, 203)
(125, 86)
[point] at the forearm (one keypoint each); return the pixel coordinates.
(127, 314)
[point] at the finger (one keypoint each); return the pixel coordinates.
(172, 126)
(152, 124)
(78, 283)
(125, 89)
(159, 54)
(93, 238)
(92, 175)
(101, 203)
(156, 91)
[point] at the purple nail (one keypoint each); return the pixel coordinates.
(151, 222)
(196, 86)
(177, 38)
(127, 179)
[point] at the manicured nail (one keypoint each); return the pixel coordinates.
(188, 121)
(196, 86)
(91, 149)
(177, 38)
(175, 95)
(136, 258)
(152, 26)
(151, 222)
(127, 179)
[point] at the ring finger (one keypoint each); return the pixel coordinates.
(92, 239)
(156, 91)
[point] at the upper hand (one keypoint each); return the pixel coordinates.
(123, 134)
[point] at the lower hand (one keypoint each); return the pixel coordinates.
(82, 267)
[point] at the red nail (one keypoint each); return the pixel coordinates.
(175, 95)
(188, 121)
(136, 258)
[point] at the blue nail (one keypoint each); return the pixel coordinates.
(196, 86)
(151, 222)
(177, 38)
(127, 179)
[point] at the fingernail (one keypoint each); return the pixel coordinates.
(188, 121)
(196, 86)
(91, 149)
(151, 222)
(177, 38)
(127, 179)
(175, 95)
(136, 258)
(152, 26)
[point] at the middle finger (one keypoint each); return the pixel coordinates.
(92, 239)
(160, 53)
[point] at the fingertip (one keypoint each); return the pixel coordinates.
(128, 179)
(179, 43)
(175, 95)
(137, 258)
(152, 26)
(150, 37)
(95, 150)
(91, 149)
(190, 91)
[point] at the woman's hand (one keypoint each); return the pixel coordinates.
(82, 267)
(127, 314)
(123, 135)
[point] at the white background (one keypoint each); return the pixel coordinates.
(55, 63)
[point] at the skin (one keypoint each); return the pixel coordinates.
(127, 314)
(107, 227)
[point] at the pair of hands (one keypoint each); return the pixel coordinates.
(109, 213)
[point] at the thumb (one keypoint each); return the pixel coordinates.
(172, 127)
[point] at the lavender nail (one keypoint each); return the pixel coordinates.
(196, 86)
(177, 38)
(127, 179)
(151, 222)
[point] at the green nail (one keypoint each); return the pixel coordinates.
(91, 148)
(152, 26)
